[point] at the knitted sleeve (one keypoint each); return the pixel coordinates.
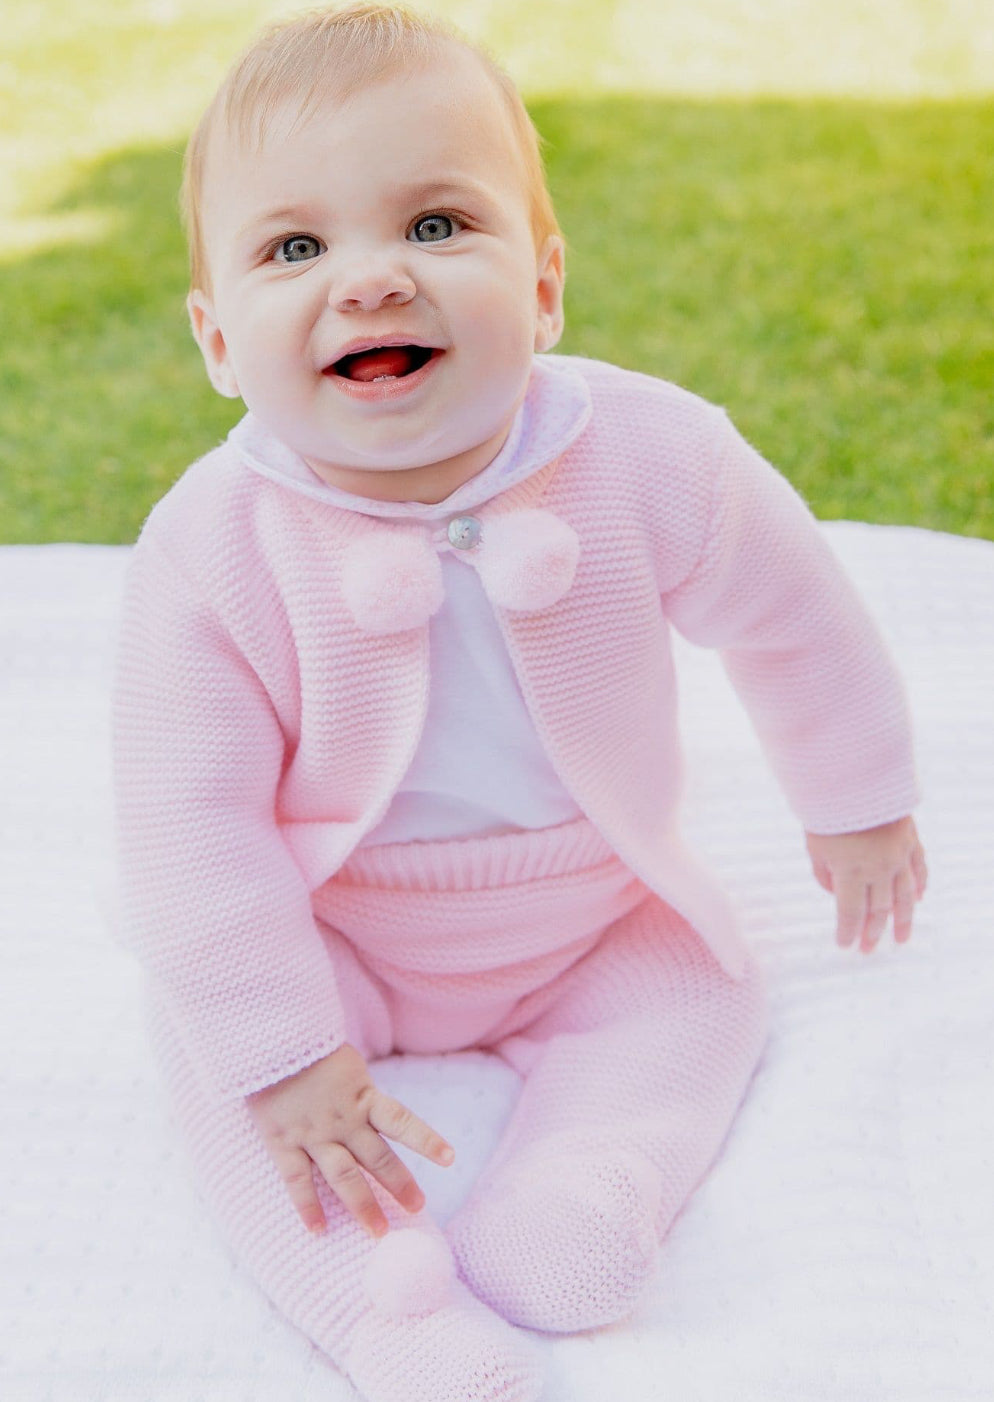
(213, 904)
(800, 648)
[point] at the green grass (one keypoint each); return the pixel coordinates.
(823, 268)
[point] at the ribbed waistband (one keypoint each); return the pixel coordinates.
(478, 863)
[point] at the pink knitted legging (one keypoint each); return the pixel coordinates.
(636, 1050)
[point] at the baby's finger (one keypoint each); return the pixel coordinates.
(850, 899)
(297, 1173)
(881, 901)
(904, 905)
(343, 1176)
(920, 870)
(389, 1117)
(378, 1159)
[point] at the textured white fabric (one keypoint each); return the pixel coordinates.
(842, 1250)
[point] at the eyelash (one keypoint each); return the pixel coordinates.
(458, 220)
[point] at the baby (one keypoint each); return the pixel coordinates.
(396, 751)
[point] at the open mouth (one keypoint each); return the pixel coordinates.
(382, 363)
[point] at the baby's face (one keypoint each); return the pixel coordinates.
(398, 220)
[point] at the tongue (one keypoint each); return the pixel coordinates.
(386, 360)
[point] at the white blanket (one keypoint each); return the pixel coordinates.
(842, 1248)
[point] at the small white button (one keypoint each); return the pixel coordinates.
(464, 532)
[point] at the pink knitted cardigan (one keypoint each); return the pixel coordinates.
(260, 731)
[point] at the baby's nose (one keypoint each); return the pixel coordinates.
(369, 283)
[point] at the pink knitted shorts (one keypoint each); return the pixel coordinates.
(450, 944)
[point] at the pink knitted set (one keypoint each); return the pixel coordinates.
(272, 687)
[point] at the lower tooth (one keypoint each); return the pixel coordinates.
(377, 378)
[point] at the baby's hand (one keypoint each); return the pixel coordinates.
(331, 1115)
(874, 873)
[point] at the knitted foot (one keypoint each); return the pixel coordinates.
(561, 1244)
(460, 1352)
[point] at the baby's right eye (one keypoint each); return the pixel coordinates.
(298, 248)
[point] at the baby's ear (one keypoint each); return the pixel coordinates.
(549, 293)
(210, 339)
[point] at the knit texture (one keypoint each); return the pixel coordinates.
(260, 733)
(633, 1071)
(457, 934)
(635, 1048)
(457, 1351)
(460, 1353)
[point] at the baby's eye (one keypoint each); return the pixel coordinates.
(298, 248)
(433, 228)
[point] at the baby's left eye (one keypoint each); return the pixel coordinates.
(433, 228)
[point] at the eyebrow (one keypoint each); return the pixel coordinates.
(293, 213)
(440, 189)
(427, 191)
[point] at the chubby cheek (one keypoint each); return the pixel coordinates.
(498, 321)
(264, 345)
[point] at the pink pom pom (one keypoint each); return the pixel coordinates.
(527, 559)
(392, 581)
(409, 1272)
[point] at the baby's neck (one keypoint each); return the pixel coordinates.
(428, 485)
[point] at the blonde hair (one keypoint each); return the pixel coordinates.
(337, 52)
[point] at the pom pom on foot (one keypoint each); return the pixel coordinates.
(462, 1352)
(409, 1272)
